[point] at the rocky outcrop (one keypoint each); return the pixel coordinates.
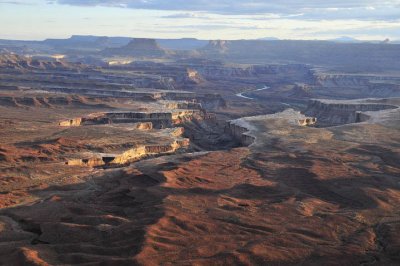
(89, 162)
(144, 126)
(193, 76)
(182, 116)
(309, 121)
(75, 122)
(178, 132)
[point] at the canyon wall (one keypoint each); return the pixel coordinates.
(131, 155)
(355, 86)
(332, 113)
(240, 133)
(157, 119)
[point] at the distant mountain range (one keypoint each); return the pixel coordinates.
(346, 39)
(346, 54)
(343, 39)
(98, 43)
(114, 42)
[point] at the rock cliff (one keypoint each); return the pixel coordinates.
(156, 119)
(333, 113)
(131, 155)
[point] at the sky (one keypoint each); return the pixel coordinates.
(202, 19)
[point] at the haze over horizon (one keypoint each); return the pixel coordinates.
(203, 19)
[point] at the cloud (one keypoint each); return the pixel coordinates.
(185, 15)
(362, 9)
(362, 31)
(219, 26)
(20, 3)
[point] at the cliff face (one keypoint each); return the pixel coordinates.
(356, 86)
(131, 155)
(331, 113)
(240, 133)
(90, 162)
(75, 122)
(143, 120)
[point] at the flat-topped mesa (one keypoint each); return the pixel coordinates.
(339, 112)
(140, 47)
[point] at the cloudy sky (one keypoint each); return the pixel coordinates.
(204, 19)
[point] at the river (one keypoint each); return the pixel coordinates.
(249, 98)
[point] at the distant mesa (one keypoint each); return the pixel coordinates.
(138, 47)
(269, 39)
(87, 42)
(346, 39)
(216, 46)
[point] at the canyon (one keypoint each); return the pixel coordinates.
(121, 151)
